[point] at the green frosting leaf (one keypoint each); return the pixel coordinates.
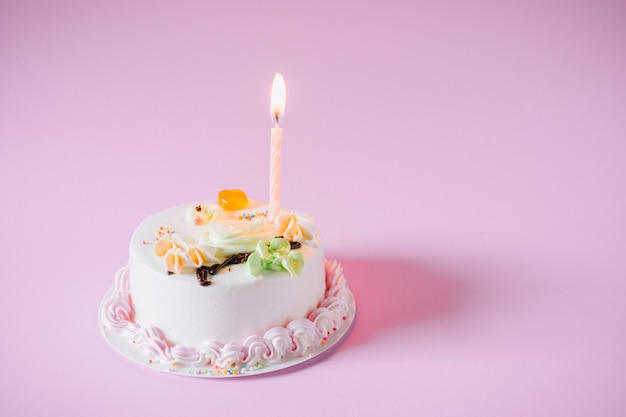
(278, 256)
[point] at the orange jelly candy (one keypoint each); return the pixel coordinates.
(232, 199)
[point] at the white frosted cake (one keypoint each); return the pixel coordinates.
(219, 288)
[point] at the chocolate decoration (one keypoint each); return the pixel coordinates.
(204, 272)
(198, 207)
(235, 259)
(294, 245)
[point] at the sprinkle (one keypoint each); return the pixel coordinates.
(164, 232)
(250, 216)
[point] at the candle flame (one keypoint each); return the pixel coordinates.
(279, 94)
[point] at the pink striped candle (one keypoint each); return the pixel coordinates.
(277, 109)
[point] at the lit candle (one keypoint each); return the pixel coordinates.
(277, 109)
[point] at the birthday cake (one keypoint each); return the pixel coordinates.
(219, 288)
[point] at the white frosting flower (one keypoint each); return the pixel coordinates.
(200, 255)
(295, 226)
(203, 214)
(179, 256)
(236, 236)
(174, 260)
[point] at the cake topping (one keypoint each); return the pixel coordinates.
(202, 274)
(235, 259)
(235, 236)
(174, 260)
(224, 238)
(162, 246)
(203, 214)
(179, 256)
(276, 256)
(295, 226)
(164, 232)
(198, 257)
(250, 216)
(232, 200)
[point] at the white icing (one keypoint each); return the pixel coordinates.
(236, 236)
(235, 305)
(278, 343)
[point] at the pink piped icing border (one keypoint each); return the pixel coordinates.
(295, 339)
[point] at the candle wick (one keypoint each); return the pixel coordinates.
(276, 117)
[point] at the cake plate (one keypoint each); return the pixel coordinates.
(124, 346)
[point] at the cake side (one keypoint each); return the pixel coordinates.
(294, 340)
(237, 303)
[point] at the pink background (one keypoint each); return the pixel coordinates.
(466, 162)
